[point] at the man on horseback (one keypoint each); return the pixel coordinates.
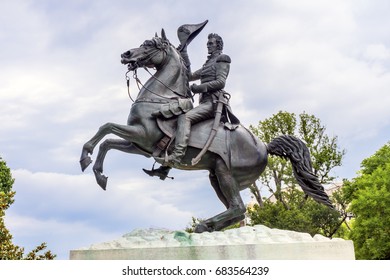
(150, 128)
(212, 78)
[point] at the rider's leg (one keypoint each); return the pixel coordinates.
(200, 113)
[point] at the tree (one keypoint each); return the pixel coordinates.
(370, 204)
(293, 210)
(303, 215)
(9, 251)
(277, 171)
(324, 150)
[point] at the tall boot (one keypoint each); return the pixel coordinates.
(161, 172)
(181, 141)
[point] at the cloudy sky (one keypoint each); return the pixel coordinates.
(61, 78)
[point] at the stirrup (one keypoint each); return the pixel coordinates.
(169, 161)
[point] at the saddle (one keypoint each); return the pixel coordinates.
(235, 144)
(231, 142)
(198, 138)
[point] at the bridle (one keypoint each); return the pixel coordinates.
(158, 48)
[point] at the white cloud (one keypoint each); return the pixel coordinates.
(377, 52)
(59, 208)
(62, 79)
(60, 236)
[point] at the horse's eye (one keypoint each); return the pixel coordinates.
(147, 43)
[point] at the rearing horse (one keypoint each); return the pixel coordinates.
(234, 162)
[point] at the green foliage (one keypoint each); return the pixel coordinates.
(303, 214)
(9, 251)
(191, 227)
(324, 151)
(370, 204)
(323, 148)
(380, 159)
(278, 171)
(37, 253)
(292, 209)
(6, 180)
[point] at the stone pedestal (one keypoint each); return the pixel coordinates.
(246, 243)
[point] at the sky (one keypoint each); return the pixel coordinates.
(61, 79)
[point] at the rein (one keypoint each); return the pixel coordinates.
(158, 80)
(128, 85)
(135, 77)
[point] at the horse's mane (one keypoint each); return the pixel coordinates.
(184, 69)
(162, 43)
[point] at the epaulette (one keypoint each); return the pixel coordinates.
(224, 58)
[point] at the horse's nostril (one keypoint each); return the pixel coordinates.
(126, 54)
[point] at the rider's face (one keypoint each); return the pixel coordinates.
(211, 45)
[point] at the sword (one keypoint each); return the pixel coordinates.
(213, 132)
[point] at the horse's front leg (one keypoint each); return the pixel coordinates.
(117, 144)
(126, 132)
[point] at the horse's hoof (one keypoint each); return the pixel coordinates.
(101, 180)
(85, 162)
(202, 227)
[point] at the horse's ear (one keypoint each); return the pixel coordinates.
(163, 36)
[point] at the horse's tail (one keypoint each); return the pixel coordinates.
(295, 150)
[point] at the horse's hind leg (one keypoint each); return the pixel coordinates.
(117, 144)
(217, 188)
(228, 191)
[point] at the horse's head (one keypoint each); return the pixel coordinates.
(151, 53)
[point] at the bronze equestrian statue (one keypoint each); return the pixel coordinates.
(163, 111)
(213, 100)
